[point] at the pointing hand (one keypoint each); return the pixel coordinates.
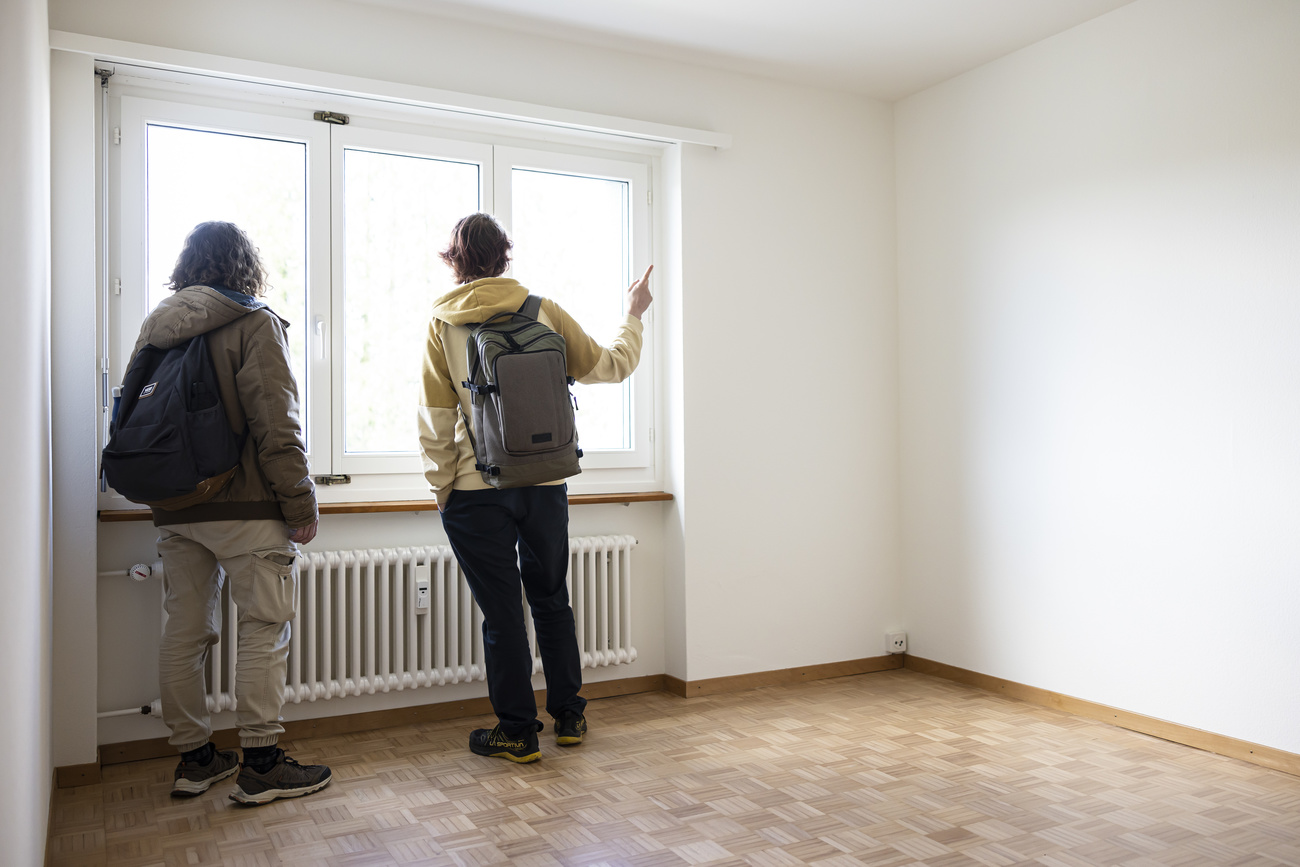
(638, 294)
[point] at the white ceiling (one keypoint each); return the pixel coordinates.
(882, 48)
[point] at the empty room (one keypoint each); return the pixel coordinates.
(940, 508)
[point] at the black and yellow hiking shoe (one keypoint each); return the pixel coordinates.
(570, 726)
(520, 748)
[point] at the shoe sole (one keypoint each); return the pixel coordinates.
(521, 760)
(183, 788)
(569, 742)
(242, 797)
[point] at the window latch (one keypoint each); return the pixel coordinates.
(333, 480)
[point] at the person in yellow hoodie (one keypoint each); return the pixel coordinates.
(505, 537)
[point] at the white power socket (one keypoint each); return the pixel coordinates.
(896, 642)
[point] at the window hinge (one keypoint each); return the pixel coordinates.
(104, 73)
(652, 434)
(649, 197)
(331, 117)
(333, 480)
(117, 135)
(117, 285)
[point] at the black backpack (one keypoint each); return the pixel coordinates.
(170, 444)
(524, 427)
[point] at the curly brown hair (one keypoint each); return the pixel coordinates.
(479, 248)
(217, 252)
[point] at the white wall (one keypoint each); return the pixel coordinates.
(778, 551)
(790, 393)
(25, 434)
(1099, 284)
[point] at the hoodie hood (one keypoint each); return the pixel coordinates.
(195, 310)
(480, 300)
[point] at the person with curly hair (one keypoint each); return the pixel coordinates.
(250, 528)
(505, 537)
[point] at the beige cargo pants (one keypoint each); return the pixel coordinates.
(257, 558)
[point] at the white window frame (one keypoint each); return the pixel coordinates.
(378, 126)
(137, 114)
(637, 176)
(353, 137)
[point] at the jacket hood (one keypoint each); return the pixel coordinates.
(195, 310)
(480, 300)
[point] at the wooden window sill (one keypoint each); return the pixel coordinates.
(110, 516)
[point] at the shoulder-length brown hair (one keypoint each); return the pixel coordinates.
(479, 248)
(217, 252)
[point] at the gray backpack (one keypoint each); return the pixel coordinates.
(524, 427)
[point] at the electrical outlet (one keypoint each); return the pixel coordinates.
(896, 642)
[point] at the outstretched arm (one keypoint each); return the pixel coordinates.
(588, 361)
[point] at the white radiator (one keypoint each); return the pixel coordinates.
(358, 631)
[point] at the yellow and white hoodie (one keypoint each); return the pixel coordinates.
(447, 451)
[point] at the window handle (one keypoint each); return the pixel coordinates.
(320, 337)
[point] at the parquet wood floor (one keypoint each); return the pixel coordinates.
(888, 769)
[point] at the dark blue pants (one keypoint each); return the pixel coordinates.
(503, 538)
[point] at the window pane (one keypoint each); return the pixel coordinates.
(260, 185)
(398, 214)
(571, 238)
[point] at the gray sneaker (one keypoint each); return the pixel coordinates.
(193, 778)
(285, 779)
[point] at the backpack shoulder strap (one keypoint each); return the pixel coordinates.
(532, 306)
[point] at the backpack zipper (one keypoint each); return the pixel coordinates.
(517, 347)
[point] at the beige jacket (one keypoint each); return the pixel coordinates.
(251, 356)
(445, 406)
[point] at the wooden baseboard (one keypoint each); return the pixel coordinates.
(156, 748)
(1269, 757)
(1257, 754)
(780, 677)
(71, 776)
